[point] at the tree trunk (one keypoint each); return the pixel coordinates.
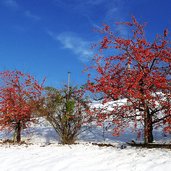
(148, 127)
(17, 133)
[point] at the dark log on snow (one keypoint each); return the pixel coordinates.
(149, 145)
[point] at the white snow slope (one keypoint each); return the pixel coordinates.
(83, 158)
(47, 155)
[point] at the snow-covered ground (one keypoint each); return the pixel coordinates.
(82, 158)
(45, 154)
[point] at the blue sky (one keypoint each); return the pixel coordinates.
(48, 38)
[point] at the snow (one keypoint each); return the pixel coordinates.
(82, 157)
(45, 154)
(108, 106)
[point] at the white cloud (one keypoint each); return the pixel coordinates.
(31, 16)
(77, 45)
(116, 12)
(83, 6)
(113, 11)
(109, 6)
(15, 6)
(10, 3)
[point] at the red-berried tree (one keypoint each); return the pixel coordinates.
(138, 70)
(19, 95)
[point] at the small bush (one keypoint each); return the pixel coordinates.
(66, 111)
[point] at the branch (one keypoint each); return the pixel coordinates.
(160, 119)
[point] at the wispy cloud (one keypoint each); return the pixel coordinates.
(79, 5)
(15, 6)
(111, 10)
(107, 7)
(11, 4)
(117, 12)
(77, 45)
(30, 15)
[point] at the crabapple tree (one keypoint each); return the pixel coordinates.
(140, 71)
(19, 95)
